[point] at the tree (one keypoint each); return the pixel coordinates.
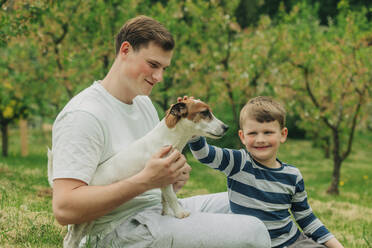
(328, 77)
(16, 19)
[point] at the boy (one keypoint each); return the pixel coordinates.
(261, 185)
(105, 118)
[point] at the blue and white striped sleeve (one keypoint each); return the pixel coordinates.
(228, 161)
(305, 217)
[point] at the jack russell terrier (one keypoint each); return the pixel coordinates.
(183, 120)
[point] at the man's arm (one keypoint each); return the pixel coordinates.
(75, 202)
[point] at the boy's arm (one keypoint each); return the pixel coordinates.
(306, 219)
(333, 243)
(228, 161)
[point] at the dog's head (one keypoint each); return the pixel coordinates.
(196, 118)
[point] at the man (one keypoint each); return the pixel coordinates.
(110, 115)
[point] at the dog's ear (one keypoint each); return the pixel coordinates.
(179, 109)
(175, 113)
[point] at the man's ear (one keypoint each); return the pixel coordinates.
(175, 113)
(125, 48)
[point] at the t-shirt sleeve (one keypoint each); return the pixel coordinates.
(78, 142)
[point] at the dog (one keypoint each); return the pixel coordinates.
(183, 120)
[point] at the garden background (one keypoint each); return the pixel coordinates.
(312, 55)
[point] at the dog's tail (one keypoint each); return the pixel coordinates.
(50, 167)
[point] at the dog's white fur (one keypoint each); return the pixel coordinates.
(183, 120)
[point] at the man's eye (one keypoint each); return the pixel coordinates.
(153, 65)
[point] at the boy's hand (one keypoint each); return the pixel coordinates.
(184, 98)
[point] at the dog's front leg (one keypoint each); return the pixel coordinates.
(169, 199)
(166, 209)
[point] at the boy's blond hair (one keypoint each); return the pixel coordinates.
(263, 109)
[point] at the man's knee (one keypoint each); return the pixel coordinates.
(256, 231)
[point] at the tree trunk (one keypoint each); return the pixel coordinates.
(326, 147)
(4, 135)
(23, 136)
(333, 188)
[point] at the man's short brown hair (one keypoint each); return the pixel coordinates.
(263, 109)
(142, 30)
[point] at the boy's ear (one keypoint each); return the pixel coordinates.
(241, 136)
(284, 134)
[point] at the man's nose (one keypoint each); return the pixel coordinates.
(158, 75)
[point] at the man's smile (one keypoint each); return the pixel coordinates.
(150, 83)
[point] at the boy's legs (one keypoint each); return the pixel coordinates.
(305, 242)
(209, 225)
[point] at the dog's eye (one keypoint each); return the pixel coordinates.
(205, 113)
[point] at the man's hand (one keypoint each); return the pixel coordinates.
(184, 177)
(164, 168)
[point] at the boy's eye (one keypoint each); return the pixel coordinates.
(269, 132)
(252, 133)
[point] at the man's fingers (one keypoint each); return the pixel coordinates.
(187, 168)
(179, 164)
(162, 152)
(173, 156)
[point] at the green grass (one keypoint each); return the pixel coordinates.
(26, 218)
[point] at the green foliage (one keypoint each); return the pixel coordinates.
(26, 218)
(61, 47)
(328, 71)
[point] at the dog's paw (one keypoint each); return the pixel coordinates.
(183, 214)
(166, 212)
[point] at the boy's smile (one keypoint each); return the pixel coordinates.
(262, 140)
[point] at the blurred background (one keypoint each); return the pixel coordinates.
(314, 56)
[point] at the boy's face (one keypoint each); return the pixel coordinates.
(144, 68)
(262, 140)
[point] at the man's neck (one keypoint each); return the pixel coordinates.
(114, 85)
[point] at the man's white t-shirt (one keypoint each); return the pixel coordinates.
(90, 129)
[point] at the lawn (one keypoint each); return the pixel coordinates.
(26, 218)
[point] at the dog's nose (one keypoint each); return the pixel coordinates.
(225, 128)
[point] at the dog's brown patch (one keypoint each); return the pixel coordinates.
(189, 109)
(175, 113)
(196, 108)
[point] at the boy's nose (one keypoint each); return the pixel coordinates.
(260, 138)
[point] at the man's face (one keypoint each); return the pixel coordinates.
(262, 140)
(145, 67)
